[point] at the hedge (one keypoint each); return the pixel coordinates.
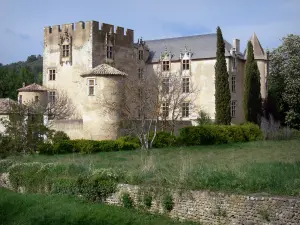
(85, 146)
(219, 134)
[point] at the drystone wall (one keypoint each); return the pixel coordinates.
(208, 208)
(211, 208)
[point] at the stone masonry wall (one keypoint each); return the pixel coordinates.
(211, 208)
(208, 208)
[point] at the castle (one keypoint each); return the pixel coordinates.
(89, 63)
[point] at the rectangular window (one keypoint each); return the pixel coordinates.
(66, 50)
(165, 109)
(51, 97)
(141, 73)
(185, 109)
(166, 65)
(233, 81)
(141, 54)
(166, 85)
(234, 63)
(20, 99)
(140, 93)
(233, 108)
(185, 64)
(36, 98)
(185, 85)
(52, 74)
(109, 52)
(91, 84)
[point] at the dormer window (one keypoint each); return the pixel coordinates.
(141, 55)
(66, 50)
(234, 63)
(185, 64)
(109, 52)
(166, 65)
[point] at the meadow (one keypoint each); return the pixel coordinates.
(264, 167)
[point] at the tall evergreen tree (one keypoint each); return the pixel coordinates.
(222, 95)
(252, 96)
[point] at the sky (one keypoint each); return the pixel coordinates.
(22, 22)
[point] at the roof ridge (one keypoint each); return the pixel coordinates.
(181, 37)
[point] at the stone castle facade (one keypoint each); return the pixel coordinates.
(89, 61)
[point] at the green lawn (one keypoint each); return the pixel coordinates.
(271, 167)
(37, 209)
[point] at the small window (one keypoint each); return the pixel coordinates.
(234, 63)
(166, 65)
(91, 84)
(66, 50)
(166, 85)
(20, 99)
(109, 52)
(36, 98)
(141, 73)
(52, 74)
(185, 64)
(185, 85)
(233, 108)
(141, 55)
(52, 97)
(140, 93)
(165, 109)
(185, 109)
(233, 82)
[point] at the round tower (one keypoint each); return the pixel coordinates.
(33, 93)
(102, 98)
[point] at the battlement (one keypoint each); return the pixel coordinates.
(120, 37)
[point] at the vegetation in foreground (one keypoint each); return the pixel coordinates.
(37, 209)
(271, 167)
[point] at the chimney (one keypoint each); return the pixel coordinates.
(23, 84)
(236, 44)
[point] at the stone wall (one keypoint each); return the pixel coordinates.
(213, 208)
(208, 208)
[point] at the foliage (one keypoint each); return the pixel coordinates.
(45, 148)
(168, 202)
(222, 95)
(204, 118)
(62, 147)
(60, 136)
(284, 81)
(127, 200)
(147, 199)
(164, 139)
(252, 97)
(130, 139)
(13, 76)
(219, 134)
(28, 209)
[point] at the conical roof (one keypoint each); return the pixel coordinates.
(103, 70)
(32, 88)
(258, 50)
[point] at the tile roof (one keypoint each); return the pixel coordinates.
(202, 46)
(32, 88)
(5, 105)
(103, 69)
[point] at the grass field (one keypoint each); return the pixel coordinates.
(270, 167)
(28, 209)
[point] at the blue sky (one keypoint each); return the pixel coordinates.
(22, 22)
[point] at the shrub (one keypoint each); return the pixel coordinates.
(123, 145)
(147, 200)
(164, 139)
(219, 134)
(127, 200)
(60, 136)
(45, 148)
(204, 118)
(168, 203)
(130, 139)
(62, 147)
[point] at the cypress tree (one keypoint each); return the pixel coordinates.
(222, 91)
(252, 95)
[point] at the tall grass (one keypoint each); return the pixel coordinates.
(37, 209)
(271, 167)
